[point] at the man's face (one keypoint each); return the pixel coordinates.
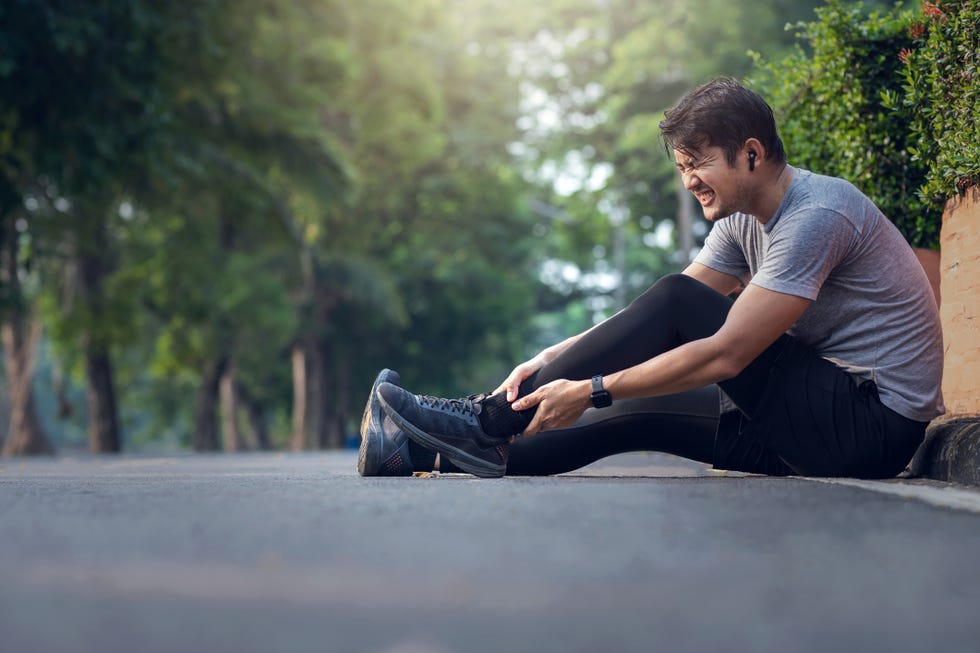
(721, 189)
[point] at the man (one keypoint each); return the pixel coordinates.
(831, 354)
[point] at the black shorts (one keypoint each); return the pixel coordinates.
(814, 419)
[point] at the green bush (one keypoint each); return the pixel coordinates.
(942, 91)
(832, 103)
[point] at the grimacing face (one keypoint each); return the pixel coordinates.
(721, 189)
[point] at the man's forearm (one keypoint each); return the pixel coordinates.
(691, 365)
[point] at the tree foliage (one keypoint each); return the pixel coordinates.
(894, 98)
(81, 108)
(831, 103)
(600, 76)
(250, 176)
(942, 93)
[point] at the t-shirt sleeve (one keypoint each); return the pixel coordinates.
(722, 251)
(803, 249)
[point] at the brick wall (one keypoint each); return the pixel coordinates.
(960, 308)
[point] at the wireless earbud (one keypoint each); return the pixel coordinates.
(751, 160)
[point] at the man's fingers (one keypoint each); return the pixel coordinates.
(511, 385)
(507, 386)
(532, 428)
(530, 401)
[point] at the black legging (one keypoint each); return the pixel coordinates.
(683, 424)
(675, 310)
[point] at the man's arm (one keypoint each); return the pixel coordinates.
(720, 282)
(757, 318)
(511, 385)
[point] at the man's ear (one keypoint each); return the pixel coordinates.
(754, 152)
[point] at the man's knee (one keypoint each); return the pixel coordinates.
(671, 289)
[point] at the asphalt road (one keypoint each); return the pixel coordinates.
(273, 552)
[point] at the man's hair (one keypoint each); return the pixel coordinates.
(721, 113)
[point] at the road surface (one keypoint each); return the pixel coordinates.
(295, 552)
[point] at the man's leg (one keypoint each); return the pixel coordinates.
(683, 424)
(822, 422)
(677, 309)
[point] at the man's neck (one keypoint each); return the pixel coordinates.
(773, 192)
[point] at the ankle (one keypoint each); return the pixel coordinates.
(446, 466)
(423, 460)
(499, 420)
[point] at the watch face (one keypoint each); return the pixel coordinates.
(600, 396)
(601, 399)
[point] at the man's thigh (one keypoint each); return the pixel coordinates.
(819, 421)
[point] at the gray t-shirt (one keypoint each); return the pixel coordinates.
(873, 311)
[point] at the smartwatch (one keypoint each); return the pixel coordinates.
(600, 396)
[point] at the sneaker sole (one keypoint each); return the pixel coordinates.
(465, 461)
(370, 465)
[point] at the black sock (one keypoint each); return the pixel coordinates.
(446, 466)
(499, 420)
(423, 460)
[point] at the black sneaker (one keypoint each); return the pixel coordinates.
(450, 426)
(384, 447)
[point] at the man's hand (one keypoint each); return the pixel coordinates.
(512, 384)
(560, 404)
(513, 381)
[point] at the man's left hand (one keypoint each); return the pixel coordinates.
(560, 404)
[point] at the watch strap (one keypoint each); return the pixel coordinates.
(600, 396)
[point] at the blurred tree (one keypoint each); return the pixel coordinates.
(257, 169)
(600, 76)
(67, 162)
(343, 163)
(20, 334)
(439, 195)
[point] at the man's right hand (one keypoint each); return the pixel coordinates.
(512, 384)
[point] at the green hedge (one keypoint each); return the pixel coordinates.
(942, 89)
(888, 101)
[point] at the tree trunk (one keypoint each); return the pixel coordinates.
(334, 436)
(206, 437)
(258, 426)
(313, 426)
(103, 426)
(25, 435)
(342, 405)
(301, 396)
(231, 436)
(5, 413)
(311, 423)
(256, 429)
(103, 422)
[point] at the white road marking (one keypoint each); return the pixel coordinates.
(955, 498)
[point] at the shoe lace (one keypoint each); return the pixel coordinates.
(463, 406)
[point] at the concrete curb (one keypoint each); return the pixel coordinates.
(950, 452)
